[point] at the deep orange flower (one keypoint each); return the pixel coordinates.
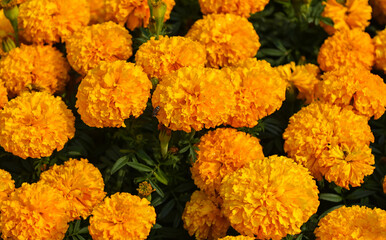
(242, 8)
(7, 185)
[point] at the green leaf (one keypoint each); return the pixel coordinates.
(83, 230)
(156, 226)
(120, 163)
(359, 193)
(327, 21)
(80, 237)
(167, 209)
(76, 226)
(143, 155)
(161, 176)
(139, 166)
(157, 188)
(271, 52)
(331, 197)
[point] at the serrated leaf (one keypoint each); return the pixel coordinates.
(359, 193)
(331, 197)
(139, 166)
(161, 176)
(83, 230)
(76, 226)
(120, 163)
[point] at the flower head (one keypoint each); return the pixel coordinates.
(111, 93)
(122, 217)
(269, 198)
(3, 95)
(380, 50)
(35, 124)
(145, 189)
(240, 237)
(34, 67)
(242, 8)
(97, 11)
(91, 45)
(161, 57)
(10, 3)
(227, 38)
(352, 48)
(7, 185)
(203, 218)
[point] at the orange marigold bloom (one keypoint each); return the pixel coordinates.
(228, 38)
(122, 217)
(35, 124)
(3, 95)
(10, 3)
(161, 57)
(346, 15)
(317, 136)
(203, 218)
(269, 198)
(259, 90)
(111, 93)
(384, 185)
(135, 13)
(242, 8)
(380, 50)
(304, 77)
(34, 67)
(222, 152)
(34, 211)
(145, 189)
(7, 185)
(352, 223)
(241, 237)
(100, 42)
(194, 98)
(97, 11)
(357, 87)
(352, 48)
(379, 10)
(80, 183)
(50, 21)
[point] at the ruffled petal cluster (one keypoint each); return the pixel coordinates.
(379, 10)
(80, 183)
(228, 38)
(51, 21)
(111, 93)
(356, 87)
(351, 48)
(269, 198)
(97, 11)
(10, 3)
(35, 124)
(242, 8)
(259, 90)
(122, 217)
(222, 152)
(380, 50)
(194, 98)
(241, 237)
(34, 68)
(168, 54)
(135, 13)
(330, 140)
(3, 95)
(91, 45)
(7, 185)
(34, 211)
(347, 15)
(352, 223)
(203, 219)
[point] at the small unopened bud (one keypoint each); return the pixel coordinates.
(11, 13)
(8, 44)
(164, 138)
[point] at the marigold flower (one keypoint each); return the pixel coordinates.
(316, 137)
(80, 183)
(10, 3)
(7, 185)
(34, 67)
(241, 237)
(242, 8)
(100, 42)
(194, 98)
(122, 216)
(352, 48)
(384, 185)
(135, 13)
(380, 50)
(357, 87)
(203, 218)
(34, 211)
(227, 38)
(379, 10)
(259, 91)
(161, 57)
(346, 15)
(145, 189)
(222, 152)
(50, 21)
(111, 93)
(97, 11)
(352, 223)
(269, 198)
(3, 95)
(35, 124)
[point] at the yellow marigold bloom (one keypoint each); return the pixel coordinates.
(304, 77)
(7, 185)
(122, 217)
(379, 10)
(88, 47)
(241, 237)
(35, 124)
(357, 87)
(242, 8)
(80, 183)
(353, 223)
(97, 11)
(203, 218)
(161, 57)
(380, 49)
(269, 198)
(194, 98)
(34, 68)
(227, 38)
(34, 211)
(3, 95)
(135, 13)
(317, 130)
(222, 152)
(352, 48)
(111, 93)
(346, 15)
(50, 21)
(259, 91)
